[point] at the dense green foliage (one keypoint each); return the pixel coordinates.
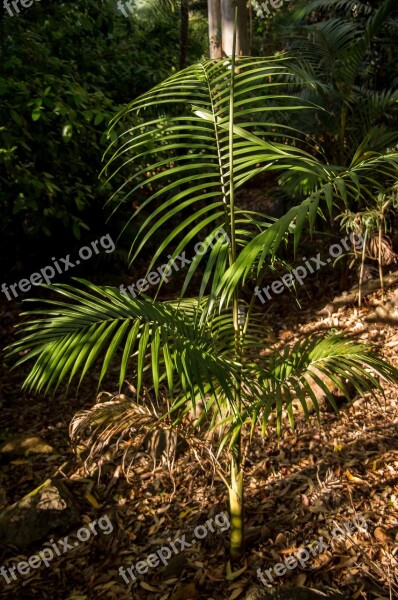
(66, 69)
(347, 50)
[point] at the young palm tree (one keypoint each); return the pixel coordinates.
(191, 141)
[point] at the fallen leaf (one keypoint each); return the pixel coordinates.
(318, 509)
(186, 512)
(185, 592)
(149, 588)
(90, 498)
(280, 539)
(358, 592)
(355, 480)
(234, 574)
(300, 579)
(381, 535)
(236, 593)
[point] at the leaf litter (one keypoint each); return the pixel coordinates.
(298, 488)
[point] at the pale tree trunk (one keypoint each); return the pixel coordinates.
(214, 17)
(227, 27)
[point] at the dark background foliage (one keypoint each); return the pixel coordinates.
(66, 69)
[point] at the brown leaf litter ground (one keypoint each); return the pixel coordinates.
(298, 488)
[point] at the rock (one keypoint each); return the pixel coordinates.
(293, 593)
(47, 509)
(23, 445)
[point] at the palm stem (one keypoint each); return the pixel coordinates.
(236, 503)
(236, 488)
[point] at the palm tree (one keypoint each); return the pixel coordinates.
(191, 141)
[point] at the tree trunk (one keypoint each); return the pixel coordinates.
(242, 48)
(184, 28)
(227, 27)
(214, 17)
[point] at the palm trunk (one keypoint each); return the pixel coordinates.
(234, 39)
(236, 504)
(236, 484)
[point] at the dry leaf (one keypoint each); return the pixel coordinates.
(280, 539)
(358, 592)
(355, 480)
(300, 579)
(319, 508)
(236, 593)
(149, 588)
(234, 574)
(381, 535)
(186, 512)
(185, 592)
(90, 498)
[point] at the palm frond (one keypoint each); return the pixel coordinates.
(194, 183)
(69, 337)
(294, 372)
(355, 183)
(117, 422)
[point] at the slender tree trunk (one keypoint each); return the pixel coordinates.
(242, 32)
(381, 229)
(227, 27)
(214, 18)
(184, 28)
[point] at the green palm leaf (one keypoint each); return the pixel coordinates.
(69, 337)
(294, 371)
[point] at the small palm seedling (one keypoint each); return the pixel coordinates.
(372, 226)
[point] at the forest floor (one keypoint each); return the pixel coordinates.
(298, 488)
